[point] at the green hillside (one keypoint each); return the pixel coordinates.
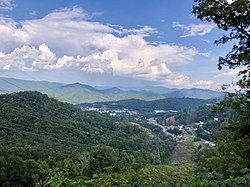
(38, 130)
(78, 93)
(44, 142)
(31, 118)
(71, 93)
(195, 93)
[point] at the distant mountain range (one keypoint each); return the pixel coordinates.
(196, 93)
(71, 93)
(80, 93)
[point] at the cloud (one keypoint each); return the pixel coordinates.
(6, 5)
(204, 82)
(67, 39)
(177, 80)
(194, 29)
(230, 1)
(207, 41)
(229, 73)
(27, 58)
(94, 14)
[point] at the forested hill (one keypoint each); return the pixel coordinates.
(38, 133)
(148, 106)
(31, 118)
(44, 142)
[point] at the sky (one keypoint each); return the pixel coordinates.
(125, 43)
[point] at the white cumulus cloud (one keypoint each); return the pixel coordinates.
(28, 58)
(205, 84)
(66, 39)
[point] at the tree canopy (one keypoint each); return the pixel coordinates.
(235, 18)
(231, 155)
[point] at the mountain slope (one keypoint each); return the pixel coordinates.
(31, 118)
(195, 93)
(39, 134)
(71, 93)
(178, 93)
(79, 93)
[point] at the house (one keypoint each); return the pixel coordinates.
(133, 112)
(160, 111)
(170, 120)
(211, 144)
(173, 111)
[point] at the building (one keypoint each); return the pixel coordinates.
(170, 120)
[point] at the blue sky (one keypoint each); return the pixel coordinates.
(110, 43)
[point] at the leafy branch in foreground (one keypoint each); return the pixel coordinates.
(231, 155)
(235, 18)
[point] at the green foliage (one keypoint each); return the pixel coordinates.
(205, 114)
(235, 18)
(70, 172)
(148, 175)
(21, 166)
(30, 118)
(232, 151)
(215, 179)
(240, 103)
(57, 144)
(201, 133)
(226, 158)
(102, 158)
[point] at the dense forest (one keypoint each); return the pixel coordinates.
(38, 131)
(48, 143)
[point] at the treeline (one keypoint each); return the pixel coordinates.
(149, 106)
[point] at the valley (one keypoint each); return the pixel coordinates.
(106, 144)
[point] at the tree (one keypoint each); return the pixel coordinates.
(235, 18)
(231, 156)
(102, 158)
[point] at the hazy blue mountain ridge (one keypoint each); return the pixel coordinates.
(71, 93)
(81, 93)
